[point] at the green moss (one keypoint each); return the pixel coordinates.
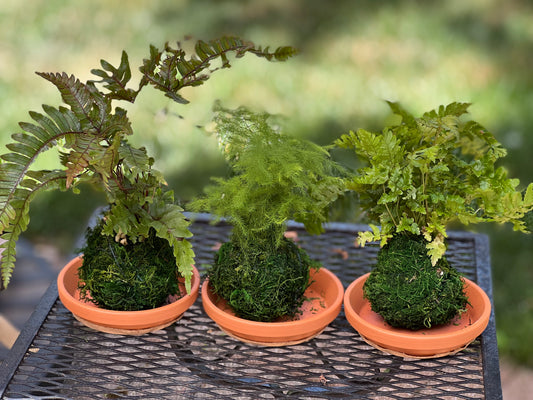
(128, 277)
(261, 284)
(408, 292)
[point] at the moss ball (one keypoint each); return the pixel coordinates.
(263, 284)
(409, 292)
(130, 277)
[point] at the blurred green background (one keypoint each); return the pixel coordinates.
(354, 55)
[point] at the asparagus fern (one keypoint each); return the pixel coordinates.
(275, 178)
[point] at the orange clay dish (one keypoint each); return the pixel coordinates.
(322, 305)
(120, 322)
(424, 343)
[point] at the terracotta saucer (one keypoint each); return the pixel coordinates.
(435, 342)
(120, 322)
(323, 304)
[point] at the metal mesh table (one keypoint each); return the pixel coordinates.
(57, 357)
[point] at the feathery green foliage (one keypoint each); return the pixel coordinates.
(276, 178)
(423, 173)
(90, 133)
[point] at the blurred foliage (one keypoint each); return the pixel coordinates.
(354, 55)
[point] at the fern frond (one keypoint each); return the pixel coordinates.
(407, 118)
(18, 184)
(135, 160)
(282, 53)
(277, 178)
(171, 70)
(149, 67)
(184, 254)
(134, 217)
(34, 182)
(116, 79)
(88, 105)
(170, 224)
(164, 81)
(78, 160)
(26, 147)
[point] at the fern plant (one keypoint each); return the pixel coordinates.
(90, 132)
(275, 178)
(423, 173)
(419, 175)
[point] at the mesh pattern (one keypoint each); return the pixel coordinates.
(194, 359)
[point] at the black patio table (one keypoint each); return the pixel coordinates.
(56, 357)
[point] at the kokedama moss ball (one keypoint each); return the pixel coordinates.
(128, 277)
(408, 292)
(263, 284)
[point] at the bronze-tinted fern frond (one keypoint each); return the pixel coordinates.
(90, 136)
(18, 211)
(171, 70)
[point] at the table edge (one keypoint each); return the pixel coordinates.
(9, 366)
(491, 371)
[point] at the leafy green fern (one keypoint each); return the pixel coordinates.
(90, 134)
(422, 173)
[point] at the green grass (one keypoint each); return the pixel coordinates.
(354, 55)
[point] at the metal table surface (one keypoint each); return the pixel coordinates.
(57, 357)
